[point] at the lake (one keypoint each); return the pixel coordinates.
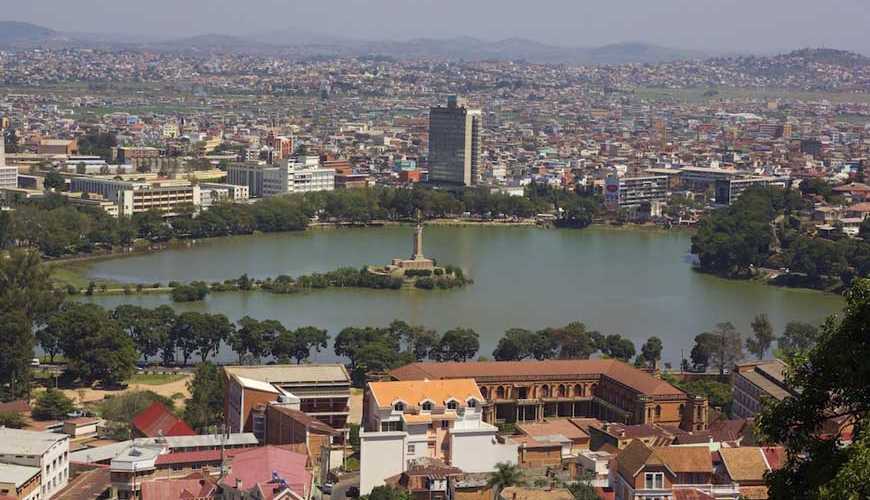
(633, 282)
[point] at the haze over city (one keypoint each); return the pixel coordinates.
(725, 26)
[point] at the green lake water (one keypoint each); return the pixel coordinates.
(633, 282)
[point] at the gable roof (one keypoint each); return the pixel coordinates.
(413, 392)
(691, 459)
(623, 373)
(744, 464)
(157, 420)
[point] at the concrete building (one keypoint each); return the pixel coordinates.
(57, 147)
(756, 382)
(47, 452)
(728, 190)
(234, 192)
(606, 389)
(20, 482)
(323, 392)
(406, 421)
(631, 192)
(301, 175)
(249, 174)
(134, 197)
(455, 143)
(8, 175)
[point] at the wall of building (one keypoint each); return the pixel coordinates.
(382, 455)
(479, 450)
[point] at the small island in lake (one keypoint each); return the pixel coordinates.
(420, 271)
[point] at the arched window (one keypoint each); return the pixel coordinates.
(472, 403)
(562, 391)
(452, 405)
(484, 391)
(545, 391)
(499, 393)
(426, 406)
(578, 390)
(400, 406)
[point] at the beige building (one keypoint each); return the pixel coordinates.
(455, 143)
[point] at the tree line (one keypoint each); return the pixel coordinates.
(57, 228)
(762, 228)
(723, 346)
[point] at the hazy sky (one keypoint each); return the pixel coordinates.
(745, 25)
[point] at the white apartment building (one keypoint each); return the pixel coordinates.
(408, 420)
(48, 452)
(8, 175)
(135, 197)
(300, 175)
(235, 193)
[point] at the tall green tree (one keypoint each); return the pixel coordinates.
(255, 338)
(797, 337)
(651, 351)
(205, 407)
(95, 346)
(144, 326)
(458, 344)
(298, 343)
(832, 396)
(725, 347)
(762, 336)
(52, 405)
(616, 346)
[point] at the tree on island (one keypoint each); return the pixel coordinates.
(832, 398)
(762, 338)
(458, 344)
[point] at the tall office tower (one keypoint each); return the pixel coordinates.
(454, 143)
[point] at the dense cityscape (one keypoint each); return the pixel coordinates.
(233, 272)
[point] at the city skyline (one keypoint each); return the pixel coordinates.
(727, 26)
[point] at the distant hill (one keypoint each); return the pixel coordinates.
(833, 57)
(14, 32)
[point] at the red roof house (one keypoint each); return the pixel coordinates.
(270, 470)
(157, 420)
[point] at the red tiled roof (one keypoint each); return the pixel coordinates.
(254, 467)
(18, 406)
(617, 370)
(775, 456)
(178, 489)
(157, 420)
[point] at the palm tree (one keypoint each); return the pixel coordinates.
(506, 474)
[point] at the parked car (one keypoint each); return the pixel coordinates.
(352, 492)
(326, 488)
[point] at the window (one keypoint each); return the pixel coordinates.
(445, 424)
(399, 406)
(411, 449)
(451, 405)
(472, 403)
(654, 480)
(427, 406)
(658, 411)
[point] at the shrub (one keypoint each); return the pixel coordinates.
(425, 283)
